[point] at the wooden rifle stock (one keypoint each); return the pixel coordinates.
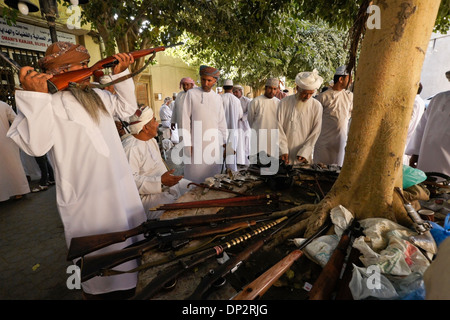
(257, 288)
(326, 283)
(61, 81)
(80, 246)
(91, 266)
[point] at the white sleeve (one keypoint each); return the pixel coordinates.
(32, 129)
(145, 183)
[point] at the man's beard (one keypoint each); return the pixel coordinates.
(301, 104)
(90, 101)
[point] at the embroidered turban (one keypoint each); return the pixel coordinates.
(209, 71)
(61, 55)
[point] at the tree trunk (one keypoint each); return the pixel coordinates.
(386, 84)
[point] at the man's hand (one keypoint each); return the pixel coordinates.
(125, 59)
(31, 80)
(169, 180)
(285, 158)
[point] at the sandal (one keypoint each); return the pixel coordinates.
(39, 188)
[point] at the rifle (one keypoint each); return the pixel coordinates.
(80, 246)
(232, 264)
(326, 282)
(17, 67)
(257, 288)
(92, 266)
(62, 81)
(176, 270)
(227, 202)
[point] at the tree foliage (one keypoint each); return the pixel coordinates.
(249, 40)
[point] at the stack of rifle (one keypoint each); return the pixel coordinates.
(159, 234)
(256, 238)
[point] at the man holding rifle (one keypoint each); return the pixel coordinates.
(96, 192)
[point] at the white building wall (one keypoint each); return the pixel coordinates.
(436, 64)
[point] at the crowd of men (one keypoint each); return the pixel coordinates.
(106, 183)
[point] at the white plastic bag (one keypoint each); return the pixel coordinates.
(370, 282)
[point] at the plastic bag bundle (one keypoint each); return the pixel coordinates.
(412, 176)
(441, 233)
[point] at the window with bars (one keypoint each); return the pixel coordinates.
(9, 78)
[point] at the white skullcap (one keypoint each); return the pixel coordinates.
(341, 71)
(174, 94)
(140, 119)
(238, 87)
(272, 82)
(105, 79)
(309, 80)
(228, 83)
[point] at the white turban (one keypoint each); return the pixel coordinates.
(309, 80)
(140, 119)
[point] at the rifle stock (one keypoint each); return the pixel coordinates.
(326, 283)
(80, 246)
(257, 288)
(61, 81)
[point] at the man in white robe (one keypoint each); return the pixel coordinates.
(300, 120)
(418, 110)
(166, 114)
(262, 117)
(95, 189)
(155, 183)
(429, 147)
(186, 84)
(243, 148)
(172, 103)
(233, 114)
(203, 129)
(337, 103)
(13, 180)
